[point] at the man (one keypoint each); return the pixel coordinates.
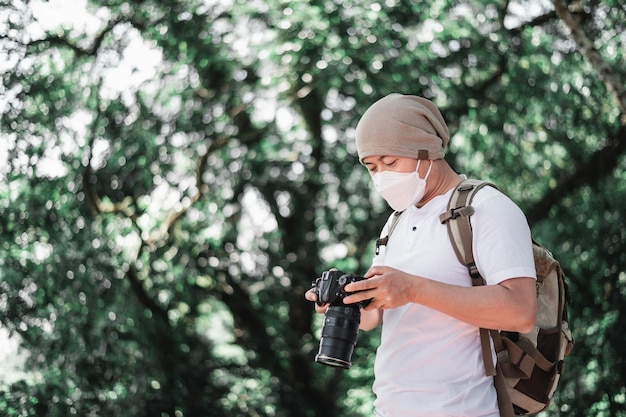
(429, 362)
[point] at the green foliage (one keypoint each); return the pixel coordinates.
(163, 215)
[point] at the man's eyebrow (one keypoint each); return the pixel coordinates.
(380, 158)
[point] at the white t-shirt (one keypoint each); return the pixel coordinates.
(430, 364)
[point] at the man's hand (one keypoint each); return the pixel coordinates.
(311, 296)
(388, 287)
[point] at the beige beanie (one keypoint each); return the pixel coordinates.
(402, 125)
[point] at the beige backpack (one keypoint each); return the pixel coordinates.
(529, 365)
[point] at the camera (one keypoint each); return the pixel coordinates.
(341, 323)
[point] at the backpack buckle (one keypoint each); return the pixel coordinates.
(455, 213)
(381, 242)
(462, 212)
(473, 271)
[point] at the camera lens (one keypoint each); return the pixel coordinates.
(339, 334)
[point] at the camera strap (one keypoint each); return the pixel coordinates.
(394, 222)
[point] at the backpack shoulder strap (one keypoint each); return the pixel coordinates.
(394, 222)
(460, 229)
(457, 220)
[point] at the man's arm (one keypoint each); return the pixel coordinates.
(510, 305)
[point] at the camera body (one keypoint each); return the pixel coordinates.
(330, 287)
(341, 323)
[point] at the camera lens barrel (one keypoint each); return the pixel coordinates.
(339, 335)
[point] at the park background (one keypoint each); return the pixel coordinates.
(175, 173)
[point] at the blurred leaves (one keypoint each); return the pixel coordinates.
(174, 174)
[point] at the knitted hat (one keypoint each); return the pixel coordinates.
(402, 125)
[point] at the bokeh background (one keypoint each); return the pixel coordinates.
(175, 173)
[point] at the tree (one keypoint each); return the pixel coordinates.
(162, 216)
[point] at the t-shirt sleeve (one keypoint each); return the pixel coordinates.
(502, 240)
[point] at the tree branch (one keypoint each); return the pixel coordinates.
(613, 84)
(144, 298)
(600, 165)
(249, 134)
(59, 40)
(172, 218)
(537, 21)
(605, 160)
(124, 209)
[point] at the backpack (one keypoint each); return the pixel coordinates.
(529, 365)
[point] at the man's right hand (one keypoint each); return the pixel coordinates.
(311, 296)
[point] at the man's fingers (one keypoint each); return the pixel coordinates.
(321, 309)
(357, 296)
(366, 284)
(310, 295)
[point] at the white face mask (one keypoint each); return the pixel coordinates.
(401, 189)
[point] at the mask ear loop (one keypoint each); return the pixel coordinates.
(427, 172)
